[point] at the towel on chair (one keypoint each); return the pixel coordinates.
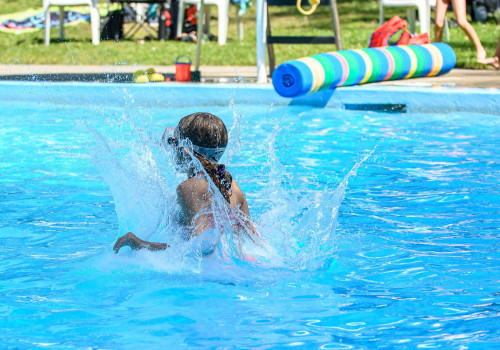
(27, 22)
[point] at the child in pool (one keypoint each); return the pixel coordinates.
(207, 136)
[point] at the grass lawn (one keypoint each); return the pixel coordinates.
(358, 19)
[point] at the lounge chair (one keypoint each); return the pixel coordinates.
(223, 13)
(95, 20)
(424, 13)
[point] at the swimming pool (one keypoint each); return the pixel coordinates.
(386, 224)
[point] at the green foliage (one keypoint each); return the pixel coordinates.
(358, 19)
(11, 6)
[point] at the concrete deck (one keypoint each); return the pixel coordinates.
(226, 74)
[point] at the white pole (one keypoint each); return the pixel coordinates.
(261, 41)
(199, 34)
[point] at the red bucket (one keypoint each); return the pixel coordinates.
(182, 69)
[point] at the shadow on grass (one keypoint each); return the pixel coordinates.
(57, 41)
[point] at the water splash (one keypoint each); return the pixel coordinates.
(141, 193)
(297, 228)
(301, 225)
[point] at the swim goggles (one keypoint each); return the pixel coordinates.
(211, 154)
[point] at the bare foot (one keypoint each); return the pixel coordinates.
(493, 61)
(481, 55)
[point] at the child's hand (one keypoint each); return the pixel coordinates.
(136, 243)
(128, 239)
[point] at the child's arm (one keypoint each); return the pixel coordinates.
(136, 243)
(242, 201)
(191, 197)
(243, 207)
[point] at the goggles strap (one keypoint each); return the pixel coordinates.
(211, 154)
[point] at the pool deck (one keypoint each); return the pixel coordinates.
(460, 78)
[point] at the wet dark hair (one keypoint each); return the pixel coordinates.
(204, 130)
(208, 130)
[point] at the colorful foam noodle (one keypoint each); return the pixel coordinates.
(351, 67)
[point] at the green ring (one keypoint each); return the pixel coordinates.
(420, 62)
(327, 68)
(375, 65)
(353, 67)
(398, 63)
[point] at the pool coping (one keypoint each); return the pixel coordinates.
(364, 97)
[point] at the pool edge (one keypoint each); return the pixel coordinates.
(416, 99)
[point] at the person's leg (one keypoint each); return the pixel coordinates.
(461, 14)
(441, 7)
(497, 52)
(495, 60)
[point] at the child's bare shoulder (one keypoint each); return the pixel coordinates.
(193, 187)
(236, 189)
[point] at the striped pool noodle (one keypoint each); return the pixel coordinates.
(351, 67)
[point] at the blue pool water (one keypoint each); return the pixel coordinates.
(382, 230)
